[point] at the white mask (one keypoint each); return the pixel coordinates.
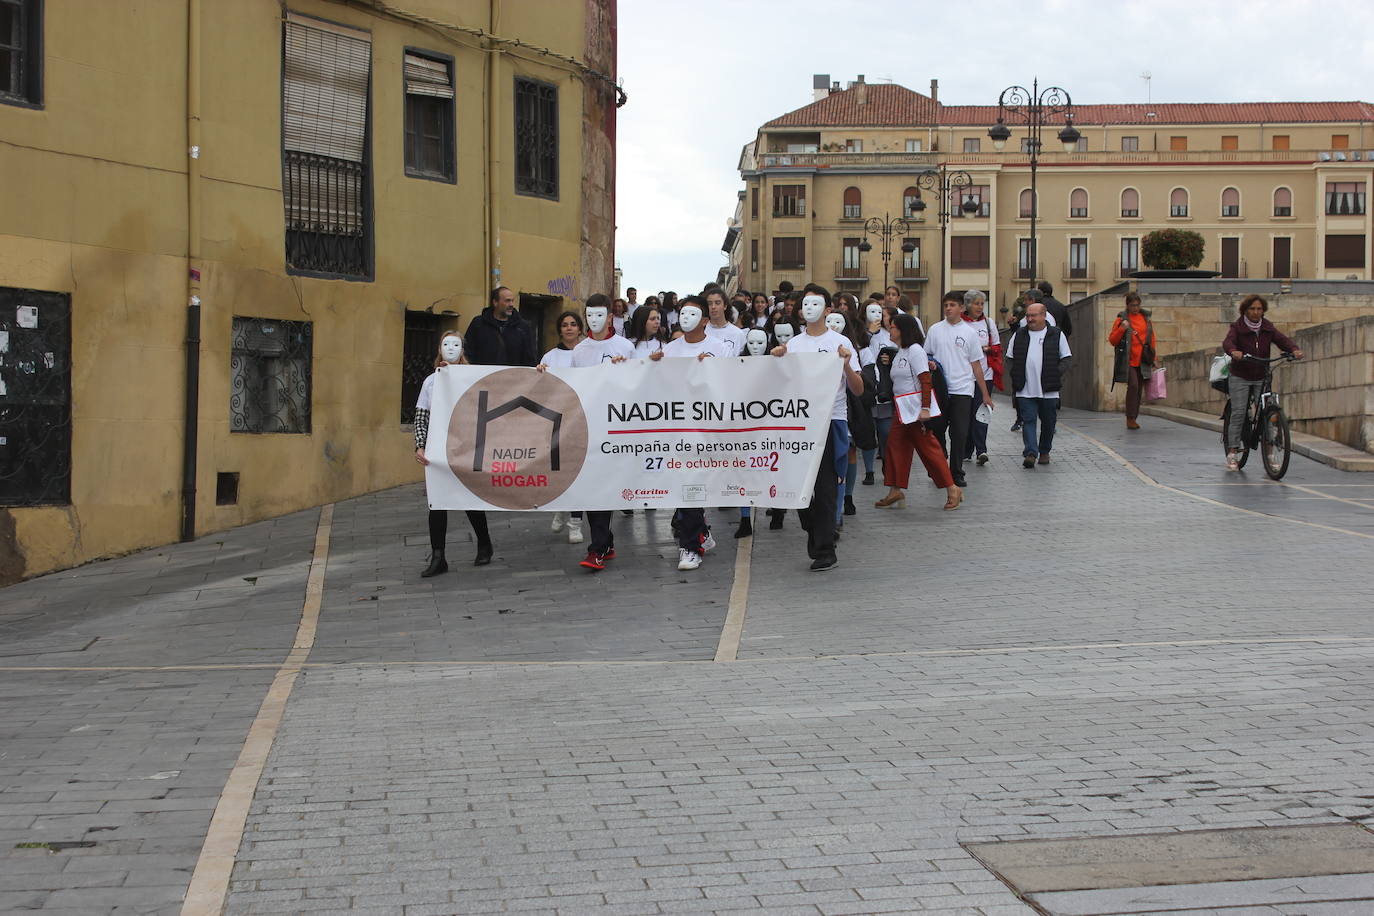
(812, 307)
(596, 318)
(835, 322)
(756, 341)
(451, 349)
(874, 313)
(688, 318)
(782, 332)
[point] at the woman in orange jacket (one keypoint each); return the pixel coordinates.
(1134, 339)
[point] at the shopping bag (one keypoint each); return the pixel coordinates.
(1218, 376)
(1157, 387)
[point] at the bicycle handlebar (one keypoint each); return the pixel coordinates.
(1286, 357)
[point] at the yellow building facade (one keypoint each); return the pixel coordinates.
(309, 193)
(1276, 190)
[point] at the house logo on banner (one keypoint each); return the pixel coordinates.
(517, 439)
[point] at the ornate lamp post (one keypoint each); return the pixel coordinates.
(1034, 106)
(944, 182)
(884, 229)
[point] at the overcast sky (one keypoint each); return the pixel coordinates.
(702, 76)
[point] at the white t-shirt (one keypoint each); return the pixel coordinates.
(1035, 361)
(595, 352)
(680, 348)
(829, 342)
(426, 392)
(644, 347)
(988, 336)
(731, 338)
(907, 367)
(558, 358)
(955, 347)
(620, 321)
(876, 341)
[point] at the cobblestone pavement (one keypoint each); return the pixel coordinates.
(1081, 650)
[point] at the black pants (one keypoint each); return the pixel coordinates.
(691, 529)
(599, 524)
(957, 420)
(438, 528)
(819, 518)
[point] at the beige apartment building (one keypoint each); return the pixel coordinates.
(1277, 190)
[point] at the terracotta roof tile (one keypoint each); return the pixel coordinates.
(887, 105)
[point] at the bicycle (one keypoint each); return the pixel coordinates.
(1266, 426)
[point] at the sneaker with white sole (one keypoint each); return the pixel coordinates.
(559, 520)
(708, 543)
(687, 559)
(574, 531)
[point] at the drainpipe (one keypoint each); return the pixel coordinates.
(493, 111)
(192, 408)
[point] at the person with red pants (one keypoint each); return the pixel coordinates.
(911, 378)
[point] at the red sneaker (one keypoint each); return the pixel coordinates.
(593, 562)
(608, 555)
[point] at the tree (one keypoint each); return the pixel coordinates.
(1172, 249)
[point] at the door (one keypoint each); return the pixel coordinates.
(35, 398)
(1230, 257)
(541, 312)
(1283, 256)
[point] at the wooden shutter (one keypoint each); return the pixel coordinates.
(1230, 141)
(1279, 141)
(1340, 141)
(1025, 206)
(852, 197)
(1078, 202)
(1344, 251)
(325, 73)
(427, 77)
(1178, 143)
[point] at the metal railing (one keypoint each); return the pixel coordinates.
(326, 214)
(918, 271)
(1242, 271)
(1016, 157)
(1294, 271)
(1021, 271)
(851, 271)
(1085, 272)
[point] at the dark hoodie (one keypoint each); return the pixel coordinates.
(1253, 343)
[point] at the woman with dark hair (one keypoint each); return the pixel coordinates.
(669, 311)
(646, 331)
(911, 380)
(1251, 334)
(1134, 339)
(450, 354)
(758, 311)
(570, 331)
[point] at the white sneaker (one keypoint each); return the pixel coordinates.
(708, 544)
(688, 559)
(574, 531)
(559, 520)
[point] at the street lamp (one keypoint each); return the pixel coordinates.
(1034, 106)
(884, 229)
(944, 182)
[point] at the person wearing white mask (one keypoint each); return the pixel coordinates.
(450, 354)
(570, 329)
(755, 344)
(719, 325)
(819, 517)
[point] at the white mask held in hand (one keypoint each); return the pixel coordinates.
(451, 349)
(596, 318)
(782, 332)
(812, 307)
(835, 322)
(688, 318)
(874, 313)
(756, 342)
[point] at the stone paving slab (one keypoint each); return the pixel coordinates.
(1342, 890)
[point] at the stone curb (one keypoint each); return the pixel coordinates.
(1336, 454)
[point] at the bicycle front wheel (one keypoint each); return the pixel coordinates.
(1276, 443)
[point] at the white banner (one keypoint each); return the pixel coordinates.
(637, 434)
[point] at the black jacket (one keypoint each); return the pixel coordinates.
(489, 342)
(1060, 311)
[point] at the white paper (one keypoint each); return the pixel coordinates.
(909, 406)
(26, 316)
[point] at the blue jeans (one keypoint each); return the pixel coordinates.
(1043, 412)
(839, 441)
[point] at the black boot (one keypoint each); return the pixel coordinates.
(745, 529)
(775, 519)
(437, 565)
(483, 554)
(868, 479)
(849, 508)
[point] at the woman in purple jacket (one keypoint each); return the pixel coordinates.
(1249, 335)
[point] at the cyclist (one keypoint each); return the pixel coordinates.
(1249, 335)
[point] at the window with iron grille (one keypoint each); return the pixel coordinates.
(21, 52)
(850, 253)
(789, 200)
(326, 73)
(1283, 202)
(418, 350)
(536, 139)
(35, 398)
(269, 376)
(968, 252)
(789, 253)
(1344, 198)
(853, 203)
(429, 136)
(1078, 257)
(1025, 258)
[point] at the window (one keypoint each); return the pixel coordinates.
(536, 139)
(913, 146)
(853, 146)
(1283, 202)
(803, 147)
(1230, 141)
(1025, 146)
(21, 52)
(1025, 207)
(789, 200)
(1025, 259)
(968, 252)
(979, 194)
(910, 197)
(1130, 203)
(429, 118)
(1340, 141)
(850, 264)
(1230, 202)
(1078, 204)
(1130, 144)
(1178, 202)
(911, 261)
(1279, 141)
(1345, 251)
(754, 254)
(1344, 198)
(1078, 258)
(1178, 143)
(1130, 256)
(418, 347)
(789, 253)
(1081, 146)
(853, 203)
(973, 144)
(754, 203)
(35, 408)
(269, 371)
(326, 183)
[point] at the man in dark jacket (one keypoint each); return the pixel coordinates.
(1037, 359)
(499, 336)
(1058, 310)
